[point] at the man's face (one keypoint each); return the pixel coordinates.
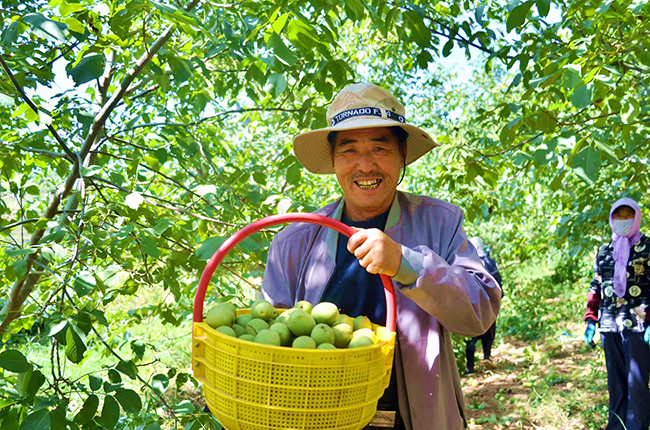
(367, 165)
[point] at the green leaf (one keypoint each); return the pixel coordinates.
(572, 76)
(38, 420)
(419, 31)
(90, 67)
(95, 382)
(281, 51)
(84, 283)
(209, 247)
(45, 28)
(88, 410)
(112, 276)
(604, 6)
(6, 100)
(128, 368)
(294, 173)
(630, 110)
(10, 34)
(582, 96)
(159, 383)
(586, 164)
(355, 9)
(54, 327)
(543, 7)
(162, 225)
(149, 246)
(637, 5)
(129, 400)
(446, 50)
(278, 24)
(75, 344)
(276, 83)
(183, 408)
(518, 15)
(14, 361)
(138, 347)
(110, 413)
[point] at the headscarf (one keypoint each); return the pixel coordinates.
(622, 244)
(479, 245)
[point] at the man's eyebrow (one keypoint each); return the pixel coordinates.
(353, 140)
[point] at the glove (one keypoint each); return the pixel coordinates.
(646, 337)
(591, 330)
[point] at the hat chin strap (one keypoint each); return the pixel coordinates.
(404, 169)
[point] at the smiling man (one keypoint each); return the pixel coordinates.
(441, 285)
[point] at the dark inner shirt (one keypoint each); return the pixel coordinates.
(357, 292)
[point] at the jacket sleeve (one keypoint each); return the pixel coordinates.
(455, 288)
(594, 295)
(277, 283)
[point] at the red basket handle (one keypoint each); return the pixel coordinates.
(269, 221)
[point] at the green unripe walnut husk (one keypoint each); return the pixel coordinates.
(304, 305)
(242, 320)
(304, 342)
(322, 333)
(342, 335)
(227, 330)
(345, 319)
(325, 346)
(255, 326)
(301, 323)
(219, 316)
(360, 341)
(248, 337)
(325, 313)
(239, 330)
(361, 322)
(364, 332)
(262, 309)
(284, 332)
(268, 337)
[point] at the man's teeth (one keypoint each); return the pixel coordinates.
(368, 185)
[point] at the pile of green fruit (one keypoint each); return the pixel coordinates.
(303, 326)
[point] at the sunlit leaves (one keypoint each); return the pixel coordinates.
(45, 28)
(14, 361)
(518, 15)
(586, 164)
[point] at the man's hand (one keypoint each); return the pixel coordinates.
(377, 252)
(646, 336)
(589, 333)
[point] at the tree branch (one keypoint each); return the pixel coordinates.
(69, 153)
(23, 287)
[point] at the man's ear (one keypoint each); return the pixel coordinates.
(332, 154)
(404, 154)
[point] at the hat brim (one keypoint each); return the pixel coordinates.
(314, 152)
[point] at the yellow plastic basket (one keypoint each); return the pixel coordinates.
(251, 386)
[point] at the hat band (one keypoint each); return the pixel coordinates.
(366, 111)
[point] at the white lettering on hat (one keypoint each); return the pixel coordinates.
(365, 111)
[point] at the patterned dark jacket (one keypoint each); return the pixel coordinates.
(631, 311)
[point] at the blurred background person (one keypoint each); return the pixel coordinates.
(488, 337)
(618, 301)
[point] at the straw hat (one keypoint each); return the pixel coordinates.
(359, 106)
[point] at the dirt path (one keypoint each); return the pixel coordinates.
(556, 383)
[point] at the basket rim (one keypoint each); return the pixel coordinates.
(300, 351)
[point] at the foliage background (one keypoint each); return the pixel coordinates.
(176, 132)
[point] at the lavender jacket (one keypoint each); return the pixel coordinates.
(441, 287)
